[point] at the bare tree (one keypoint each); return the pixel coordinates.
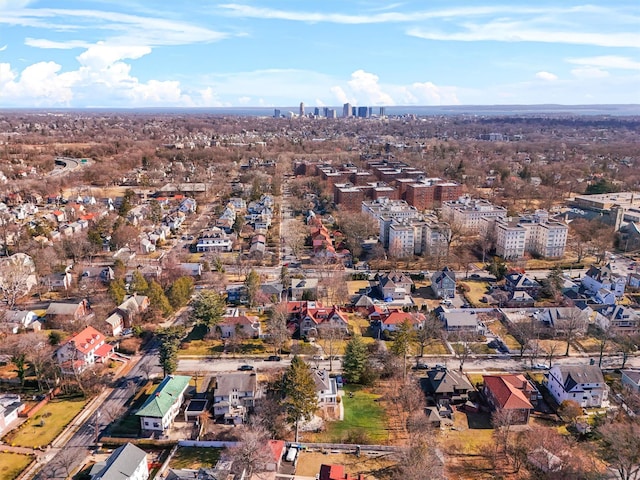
(571, 323)
(252, 453)
(429, 329)
(502, 420)
(330, 336)
(277, 331)
(17, 276)
(622, 447)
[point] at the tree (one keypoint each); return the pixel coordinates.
(502, 419)
(117, 291)
(497, 268)
(158, 301)
(276, 327)
(252, 283)
(402, 341)
(354, 362)
(16, 277)
(208, 308)
(300, 398)
(571, 324)
(138, 282)
(627, 345)
(252, 453)
(126, 205)
(463, 348)
(329, 336)
(19, 360)
(570, 410)
(622, 447)
(168, 350)
(356, 227)
(295, 236)
(180, 292)
(430, 329)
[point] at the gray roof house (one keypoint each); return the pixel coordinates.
(443, 283)
(233, 395)
(127, 462)
(631, 379)
(583, 384)
(462, 320)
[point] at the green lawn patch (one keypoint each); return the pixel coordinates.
(435, 347)
(47, 424)
(127, 426)
(477, 290)
(194, 458)
(364, 419)
(12, 464)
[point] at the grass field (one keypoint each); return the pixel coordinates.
(364, 420)
(498, 328)
(46, 425)
(194, 458)
(11, 464)
(476, 291)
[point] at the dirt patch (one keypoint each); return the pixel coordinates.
(372, 467)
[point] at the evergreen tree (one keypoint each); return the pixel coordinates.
(158, 301)
(138, 283)
(117, 291)
(168, 351)
(300, 399)
(208, 308)
(354, 363)
(180, 292)
(404, 338)
(252, 283)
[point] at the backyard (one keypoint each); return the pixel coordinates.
(371, 466)
(477, 290)
(47, 424)
(194, 458)
(11, 464)
(364, 420)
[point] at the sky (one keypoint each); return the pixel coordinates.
(278, 53)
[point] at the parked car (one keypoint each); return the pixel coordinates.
(318, 358)
(540, 366)
(245, 368)
(272, 358)
(420, 366)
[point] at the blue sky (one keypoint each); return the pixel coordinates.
(145, 53)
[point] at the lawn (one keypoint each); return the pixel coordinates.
(309, 463)
(477, 290)
(364, 420)
(434, 347)
(46, 425)
(194, 458)
(354, 286)
(11, 464)
(498, 328)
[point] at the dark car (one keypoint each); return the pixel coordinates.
(272, 358)
(420, 366)
(245, 368)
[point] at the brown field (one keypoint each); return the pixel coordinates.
(372, 467)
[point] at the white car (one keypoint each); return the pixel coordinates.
(540, 366)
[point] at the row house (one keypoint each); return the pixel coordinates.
(618, 319)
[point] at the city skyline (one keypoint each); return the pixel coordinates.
(270, 54)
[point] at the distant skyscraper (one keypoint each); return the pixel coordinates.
(354, 111)
(370, 112)
(331, 113)
(302, 109)
(276, 113)
(346, 110)
(316, 111)
(362, 112)
(382, 111)
(325, 111)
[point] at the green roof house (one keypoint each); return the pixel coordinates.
(161, 408)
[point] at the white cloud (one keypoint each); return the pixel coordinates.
(244, 100)
(547, 76)
(430, 94)
(101, 56)
(3, 48)
(365, 86)
(607, 61)
(589, 72)
(50, 44)
(340, 95)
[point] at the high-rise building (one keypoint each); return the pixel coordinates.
(276, 113)
(331, 113)
(346, 110)
(370, 112)
(325, 111)
(382, 111)
(316, 111)
(362, 112)
(302, 109)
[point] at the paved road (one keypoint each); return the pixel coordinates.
(68, 455)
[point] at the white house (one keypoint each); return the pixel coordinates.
(603, 277)
(233, 395)
(161, 408)
(83, 350)
(247, 326)
(127, 462)
(193, 269)
(326, 388)
(583, 384)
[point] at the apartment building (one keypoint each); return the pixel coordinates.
(536, 234)
(470, 214)
(386, 211)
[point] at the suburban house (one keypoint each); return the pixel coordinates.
(317, 319)
(631, 379)
(618, 319)
(60, 313)
(306, 287)
(83, 350)
(214, 240)
(125, 313)
(247, 326)
(462, 321)
(10, 406)
(518, 282)
(447, 386)
(273, 291)
(512, 393)
(394, 286)
(193, 269)
(326, 388)
(583, 384)
(520, 299)
(161, 408)
(597, 278)
(233, 396)
(560, 318)
(391, 322)
(443, 283)
(16, 320)
(127, 462)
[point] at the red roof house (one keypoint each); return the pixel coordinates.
(509, 392)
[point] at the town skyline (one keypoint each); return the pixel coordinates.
(149, 54)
